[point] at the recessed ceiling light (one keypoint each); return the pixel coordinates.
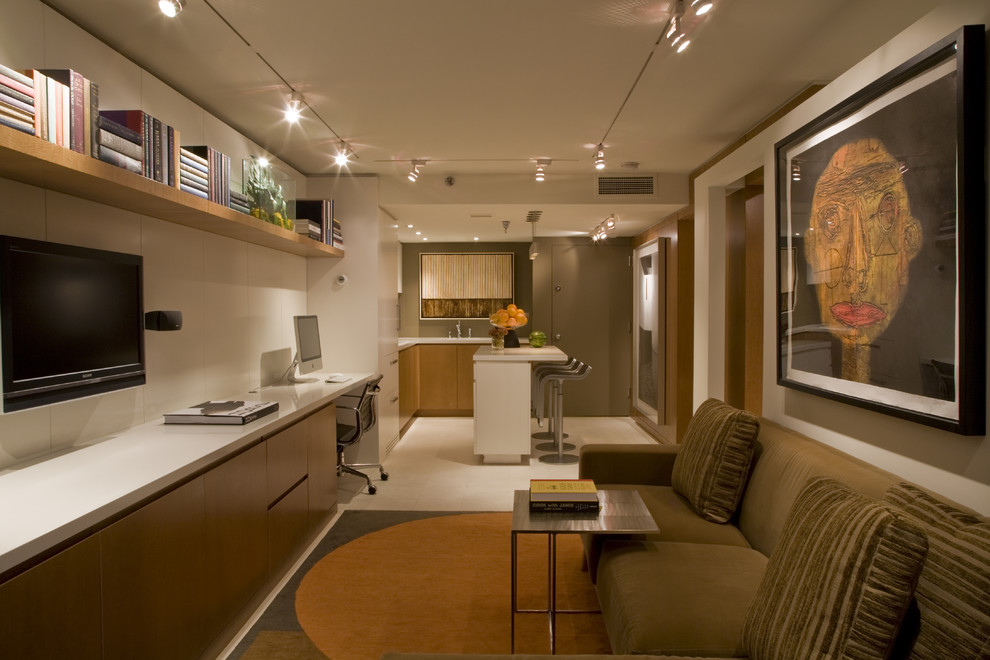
(171, 7)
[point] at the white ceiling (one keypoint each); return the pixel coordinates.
(482, 89)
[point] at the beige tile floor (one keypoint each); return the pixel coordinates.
(433, 468)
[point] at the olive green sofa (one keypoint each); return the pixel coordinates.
(773, 545)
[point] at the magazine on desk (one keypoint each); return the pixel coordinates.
(222, 412)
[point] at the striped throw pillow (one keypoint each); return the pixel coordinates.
(839, 580)
(953, 592)
(714, 459)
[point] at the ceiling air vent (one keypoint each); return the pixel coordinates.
(640, 185)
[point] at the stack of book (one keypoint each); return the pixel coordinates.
(159, 145)
(313, 217)
(120, 146)
(240, 202)
(194, 174)
(17, 99)
(217, 172)
(336, 239)
(563, 495)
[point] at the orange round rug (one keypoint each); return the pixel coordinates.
(442, 585)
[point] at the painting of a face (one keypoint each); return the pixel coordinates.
(860, 241)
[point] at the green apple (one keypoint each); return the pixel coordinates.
(537, 338)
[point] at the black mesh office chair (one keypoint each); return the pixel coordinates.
(365, 415)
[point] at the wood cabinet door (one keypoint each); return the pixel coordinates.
(237, 533)
(287, 460)
(155, 570)
(53, 610)
(465, 376)
(321, 432)
(437, 377)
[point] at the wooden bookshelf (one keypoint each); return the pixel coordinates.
(38, 162)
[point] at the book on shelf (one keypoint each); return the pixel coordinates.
(159, 144)
(17, 103)
(109, 140)
(74, 109)
(563, 495)
(184, 187)
(313, 217)
(20, 81)
(17, 124)
(222, 412)
(217, 170)
(108, 155)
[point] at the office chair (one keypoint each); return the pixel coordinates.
(365, 410)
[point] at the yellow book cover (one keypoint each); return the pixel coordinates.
(562, 490)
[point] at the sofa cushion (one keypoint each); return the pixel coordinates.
(676, 521)
(953, 593)
(677, 598)
(714, 459)
(839, 581)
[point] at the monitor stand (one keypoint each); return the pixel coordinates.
(293, 378)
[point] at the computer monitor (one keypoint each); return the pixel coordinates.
(309, 356)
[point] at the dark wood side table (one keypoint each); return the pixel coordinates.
(622, 512)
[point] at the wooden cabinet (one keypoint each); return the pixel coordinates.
(446, 377)
(321, 432)
(437, 378)
(155, 570)
(40, 163)
(236, 533)
(408, 384)
(465, 376)
(288, 462)
(288, 526)
(53, 610)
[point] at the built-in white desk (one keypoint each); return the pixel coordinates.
(502, 382)
(53, 501)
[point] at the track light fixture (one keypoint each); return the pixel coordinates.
(171, 8)
(293, 109)
(541, 168)
(414, 172)
(342, 159)
(600, 233)
(600, 157)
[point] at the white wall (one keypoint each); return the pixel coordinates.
(237, 299)
(956, 466)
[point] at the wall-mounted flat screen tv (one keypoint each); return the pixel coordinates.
(71, 322)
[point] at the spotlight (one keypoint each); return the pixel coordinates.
(541, 165)
(171, 7)
(702, 7)
(294, 108)
(683, 46)
(343, 155)
(610, 222)
(600, 158)
(414, 172)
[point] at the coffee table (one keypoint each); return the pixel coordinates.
(622, 512)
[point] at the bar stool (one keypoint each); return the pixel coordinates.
(538, 388)
(557, 381)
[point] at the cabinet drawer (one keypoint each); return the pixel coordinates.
(287, 460)
(288, 525)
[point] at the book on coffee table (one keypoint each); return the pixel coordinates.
(563, 495)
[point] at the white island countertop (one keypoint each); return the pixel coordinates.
(521, 354)
(53, 500)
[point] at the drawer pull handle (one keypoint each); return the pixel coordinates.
(395, 361)
(394, 399)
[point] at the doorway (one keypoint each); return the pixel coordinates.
(649, 329)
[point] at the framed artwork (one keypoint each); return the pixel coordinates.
(464, 285)
(881, 214)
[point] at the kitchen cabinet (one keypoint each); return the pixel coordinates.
(408, 384)
(446, 377)
(321, 431)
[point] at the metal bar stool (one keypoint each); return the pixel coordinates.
(557, 380)
(538, 389)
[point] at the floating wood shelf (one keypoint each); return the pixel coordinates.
(38, 162)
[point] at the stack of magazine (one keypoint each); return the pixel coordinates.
(222, 412)
(563, 495)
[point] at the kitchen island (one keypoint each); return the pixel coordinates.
(502, 382)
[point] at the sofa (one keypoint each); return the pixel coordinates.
(773, 545)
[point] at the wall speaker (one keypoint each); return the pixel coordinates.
(163, 320)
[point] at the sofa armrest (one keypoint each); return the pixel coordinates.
(647, 465)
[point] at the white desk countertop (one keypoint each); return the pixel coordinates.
(521, 354)
(51, 501)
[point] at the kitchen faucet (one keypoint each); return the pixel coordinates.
(458, 329)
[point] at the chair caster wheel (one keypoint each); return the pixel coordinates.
(372, 490)
(384, 476)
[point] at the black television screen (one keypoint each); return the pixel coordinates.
(71, 321)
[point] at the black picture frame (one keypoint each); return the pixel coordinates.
(881, 226)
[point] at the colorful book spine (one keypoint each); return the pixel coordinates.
(73, 106)
(120, 160)
(114, 142)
